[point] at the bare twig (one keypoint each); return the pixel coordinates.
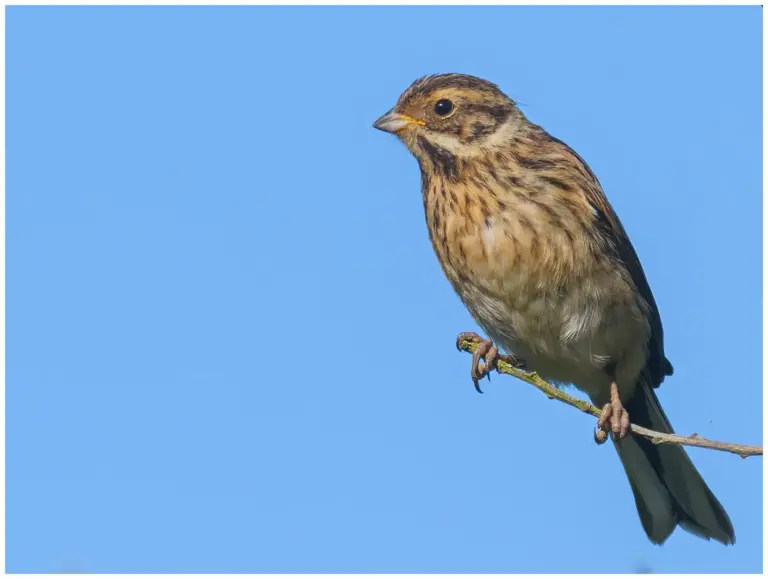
(743, 450)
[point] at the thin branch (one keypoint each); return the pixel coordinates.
(532, 378)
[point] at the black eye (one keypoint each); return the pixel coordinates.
(443, 107)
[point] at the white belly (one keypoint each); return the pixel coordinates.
(570, 338)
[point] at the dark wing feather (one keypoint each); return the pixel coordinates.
(614, 234)
(668, 489)
(658, 366)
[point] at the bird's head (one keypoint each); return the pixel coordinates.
(457, 114)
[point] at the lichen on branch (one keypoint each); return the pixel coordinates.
(552, 392)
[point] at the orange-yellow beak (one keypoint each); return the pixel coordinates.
(394, 122)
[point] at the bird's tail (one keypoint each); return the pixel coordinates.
(668, 489)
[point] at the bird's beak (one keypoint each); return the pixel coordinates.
(394, 122)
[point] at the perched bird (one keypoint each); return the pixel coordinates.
(528, 240)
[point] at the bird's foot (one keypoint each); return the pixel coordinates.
(487, 351)
(613, 418)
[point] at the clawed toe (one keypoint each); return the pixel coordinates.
(484, 351)
(487, 352)
(603, 422)
(614, 418)
(470, 337)
(620, 422)
(601, 436)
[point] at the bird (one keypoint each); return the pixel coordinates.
(527, 238)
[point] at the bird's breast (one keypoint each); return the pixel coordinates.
(504, 243)
(532, 277)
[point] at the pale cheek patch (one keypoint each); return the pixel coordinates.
(449, 143)
(500, 138)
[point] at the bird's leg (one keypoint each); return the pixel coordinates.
(486, 350)
(613, 417)
(620, 421)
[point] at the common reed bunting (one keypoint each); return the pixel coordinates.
(528, 240)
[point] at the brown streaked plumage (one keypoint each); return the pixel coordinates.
(528, 240)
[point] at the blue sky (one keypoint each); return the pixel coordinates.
(230, 347)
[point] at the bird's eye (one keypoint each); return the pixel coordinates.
(443, 107)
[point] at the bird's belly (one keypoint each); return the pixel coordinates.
(583, 334)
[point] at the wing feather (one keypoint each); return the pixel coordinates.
(613, 233)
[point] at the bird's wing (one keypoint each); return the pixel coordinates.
(614, 233)
(657, 364)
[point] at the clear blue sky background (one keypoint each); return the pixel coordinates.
(231, 349)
